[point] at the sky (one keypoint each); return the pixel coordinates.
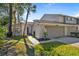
(71, 9)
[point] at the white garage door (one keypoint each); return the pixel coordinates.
(55, 31)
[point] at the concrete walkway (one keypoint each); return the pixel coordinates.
(33, 40)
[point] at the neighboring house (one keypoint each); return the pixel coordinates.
(55, 25)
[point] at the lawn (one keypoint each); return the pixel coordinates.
(56, 49)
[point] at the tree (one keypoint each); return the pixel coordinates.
(29, 8)
(9, 34)
(3, 19)
(4, 14)
(6, 10)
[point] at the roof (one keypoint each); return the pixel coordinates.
(46, 21)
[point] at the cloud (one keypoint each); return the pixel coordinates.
(48, 7)
(76, 15)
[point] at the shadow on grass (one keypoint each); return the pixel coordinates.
(52, 44)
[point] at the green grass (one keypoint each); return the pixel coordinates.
(56, 49)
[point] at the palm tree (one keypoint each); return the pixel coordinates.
(29, 8)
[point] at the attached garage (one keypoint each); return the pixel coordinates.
(55, 31)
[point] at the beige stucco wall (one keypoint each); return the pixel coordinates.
(61, 19)
(16, 29)
(37, 30)
(29, 25)
(53, 17)
(53, 31)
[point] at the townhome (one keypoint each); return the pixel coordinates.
(55, 25)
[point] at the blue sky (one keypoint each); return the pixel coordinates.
(71, 9)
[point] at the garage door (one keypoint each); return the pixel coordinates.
(55, 31)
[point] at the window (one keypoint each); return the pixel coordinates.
(73, 19)
(65, 18)
(68, 19)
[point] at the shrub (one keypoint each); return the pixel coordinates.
(39, 50)
(45, 34)
(1, 43)
(66, 50)
(20, 49)
(43, 39)
(2, 32)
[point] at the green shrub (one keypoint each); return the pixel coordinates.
(45, 34)
(1, 43)
(2, 32)
(39, 50)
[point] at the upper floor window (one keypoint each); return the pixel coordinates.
(70, 20)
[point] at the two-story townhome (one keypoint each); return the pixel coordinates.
(55, 25)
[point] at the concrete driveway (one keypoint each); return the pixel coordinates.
(68, 40)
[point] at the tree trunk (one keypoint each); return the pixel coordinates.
(14, 17)
(25, 28)
(19, 24)
(9, 34)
